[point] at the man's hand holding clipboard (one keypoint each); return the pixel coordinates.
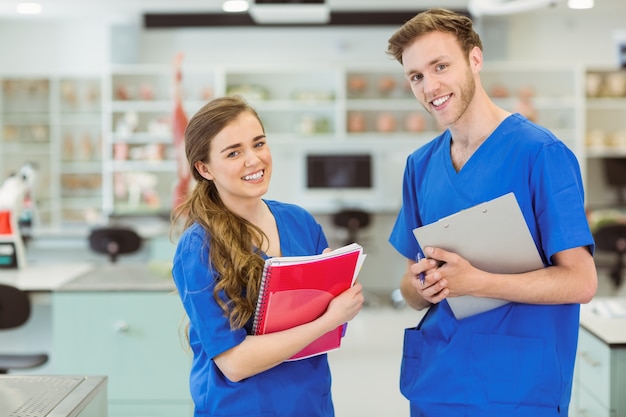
(491, 236)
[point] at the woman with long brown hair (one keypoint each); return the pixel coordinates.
(229, 229)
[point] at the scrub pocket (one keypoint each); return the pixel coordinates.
(514, 370)
(411, 361)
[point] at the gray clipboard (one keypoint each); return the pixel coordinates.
(492, 236)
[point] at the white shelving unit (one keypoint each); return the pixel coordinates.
(54, 122)
(98, 153)
(605, 130)
(77, 149)
(139, 165)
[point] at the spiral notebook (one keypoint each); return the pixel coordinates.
(492, 236)
(297, 290)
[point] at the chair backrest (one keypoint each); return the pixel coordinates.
(611, 238)
(14, 307)
(352, 219)
(114, 241)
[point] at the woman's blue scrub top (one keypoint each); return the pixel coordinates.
(518, 359)
(292, 389)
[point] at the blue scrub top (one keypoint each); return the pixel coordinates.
(292, 389)
(518, 359)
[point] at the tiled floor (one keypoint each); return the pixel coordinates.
(366, 369)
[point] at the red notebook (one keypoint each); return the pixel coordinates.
(297, 290)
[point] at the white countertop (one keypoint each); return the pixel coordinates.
(605, 317)
(45, 277)
(152, 276)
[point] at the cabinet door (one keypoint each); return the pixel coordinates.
(78, 149)
(151, 409)
(589, 406)
(594, 367)
(135, 338)
(26, 137)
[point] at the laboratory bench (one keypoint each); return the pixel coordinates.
(121, 320)
(600, 373)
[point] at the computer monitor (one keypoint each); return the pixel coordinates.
(333, 171)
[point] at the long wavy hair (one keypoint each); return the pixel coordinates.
(233, 241)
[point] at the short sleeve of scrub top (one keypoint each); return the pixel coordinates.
(283, 388)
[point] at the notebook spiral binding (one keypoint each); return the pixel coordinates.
(259, 312)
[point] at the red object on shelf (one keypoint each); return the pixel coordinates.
(179, 124)
(6, 228)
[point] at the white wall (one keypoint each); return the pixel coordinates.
(46, 47)
(86, 47)
(82, 45)
(576, 36)
(241, 45)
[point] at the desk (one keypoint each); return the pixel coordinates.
(124, 321)
(44, 277)
(120, 320)
(600, 375)
(53, 396)
(39, 280)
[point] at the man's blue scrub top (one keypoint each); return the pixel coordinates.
(516, 360)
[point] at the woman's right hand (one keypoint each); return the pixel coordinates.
(244, 360)
(345, 306)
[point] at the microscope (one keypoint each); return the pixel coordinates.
(16, 216)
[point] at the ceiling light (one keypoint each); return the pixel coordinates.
(233, 6)
(28, 8)
(580, 4)
(505, 7)
(290, 13)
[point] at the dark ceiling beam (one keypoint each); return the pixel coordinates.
(344, 18)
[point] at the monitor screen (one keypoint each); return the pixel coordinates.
(615, 172)
(339, 171)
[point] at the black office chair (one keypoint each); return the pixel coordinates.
(612, 238)
(15, 308)
(353, 220)
(114, 241)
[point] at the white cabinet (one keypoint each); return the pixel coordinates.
(105, 143)
(380, 105)
(306, 110)
(135, 338)
(139, 165)
(600, 374)
(26, 136)
(552, 96)
(77, 134)
(292, 102)
(605, 135)
(55, 123)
